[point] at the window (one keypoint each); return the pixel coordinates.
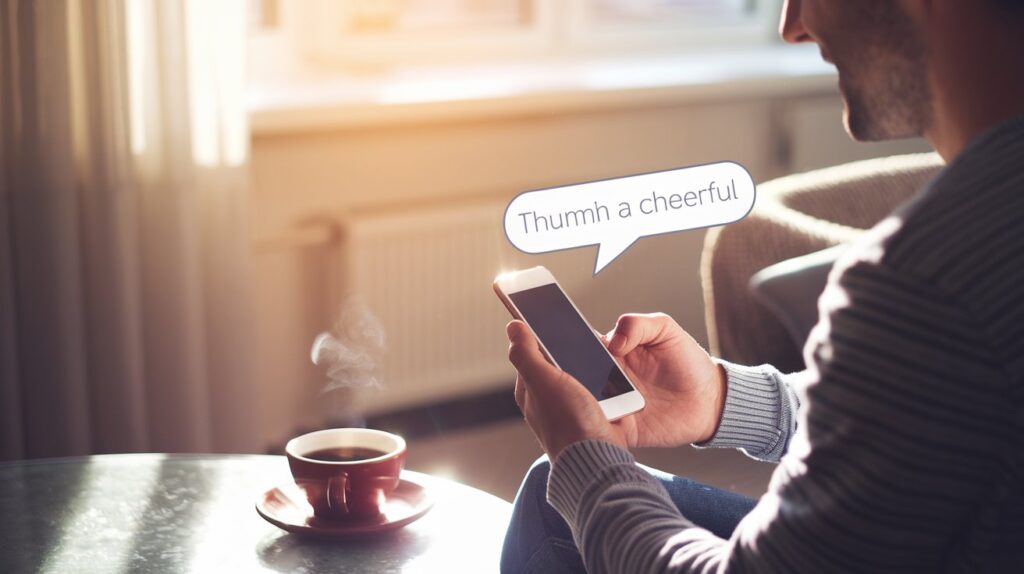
(263, 15)
(663, 25)
(434, 16)
(616, 12)
(355, 34)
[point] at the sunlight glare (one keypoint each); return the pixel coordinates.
(231, 73)
(216, 64)
(504, 275)
(452, 89)
(135, 21)
(87, 528)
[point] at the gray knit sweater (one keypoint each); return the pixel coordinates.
(907, 454)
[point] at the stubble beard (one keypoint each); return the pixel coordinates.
(896, 105)
(887, 96)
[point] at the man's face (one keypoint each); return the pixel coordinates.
(877, 50)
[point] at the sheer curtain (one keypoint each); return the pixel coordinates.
(124, 320)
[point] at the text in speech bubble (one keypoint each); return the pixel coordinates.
(614, 213)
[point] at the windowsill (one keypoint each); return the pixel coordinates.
(313, 101)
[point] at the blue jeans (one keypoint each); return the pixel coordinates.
(538, 540)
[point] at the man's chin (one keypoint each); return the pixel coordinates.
(859, 124)
(854, 128)
(881, 117)
(861, 127)
(853, 115)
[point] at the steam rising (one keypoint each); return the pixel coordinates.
(352, 351)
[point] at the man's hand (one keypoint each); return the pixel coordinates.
(557, 407)
(684, 389)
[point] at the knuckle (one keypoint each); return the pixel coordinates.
(627, 323)
(664, 321)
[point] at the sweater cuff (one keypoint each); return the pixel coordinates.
(753, 416)
(583, 466)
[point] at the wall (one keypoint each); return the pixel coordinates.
(304, 178)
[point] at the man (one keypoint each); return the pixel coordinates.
(901, 447)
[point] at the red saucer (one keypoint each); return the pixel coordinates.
(286, 507)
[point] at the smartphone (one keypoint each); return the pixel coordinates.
(566, 338)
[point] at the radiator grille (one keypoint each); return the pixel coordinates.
(427, 276)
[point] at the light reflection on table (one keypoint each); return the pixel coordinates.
(180, 513)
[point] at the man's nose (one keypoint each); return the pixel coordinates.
(791, 27)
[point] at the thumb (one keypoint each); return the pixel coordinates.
(525, 354)
(635, 330)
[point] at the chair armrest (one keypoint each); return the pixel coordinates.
(794, 216)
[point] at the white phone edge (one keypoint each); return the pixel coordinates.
(614, 407)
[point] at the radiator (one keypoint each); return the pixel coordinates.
(426, 274)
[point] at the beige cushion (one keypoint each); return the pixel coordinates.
(794, 216)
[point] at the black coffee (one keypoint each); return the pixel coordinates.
(344, 454)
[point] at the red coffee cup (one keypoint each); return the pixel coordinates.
(346, 473)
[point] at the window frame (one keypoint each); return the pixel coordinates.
(322, 42)
(667, 36)
(305, 37)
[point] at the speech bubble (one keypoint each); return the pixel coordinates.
(614, 213)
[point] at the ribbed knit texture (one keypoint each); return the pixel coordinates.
(759, 412)
(908, 450)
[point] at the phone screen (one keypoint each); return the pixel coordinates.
(570, 341)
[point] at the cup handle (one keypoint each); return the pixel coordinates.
(337, 487)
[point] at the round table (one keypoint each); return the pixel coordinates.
(195, 513)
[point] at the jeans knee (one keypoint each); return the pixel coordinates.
(539, 471)
(536, 530)
(534, 487)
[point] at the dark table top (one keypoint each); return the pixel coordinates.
(184, 513)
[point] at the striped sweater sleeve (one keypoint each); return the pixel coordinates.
(890, 458)
(760, 410)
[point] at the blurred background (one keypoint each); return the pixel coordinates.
(192, 192)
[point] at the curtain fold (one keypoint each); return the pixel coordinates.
(124, 303)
